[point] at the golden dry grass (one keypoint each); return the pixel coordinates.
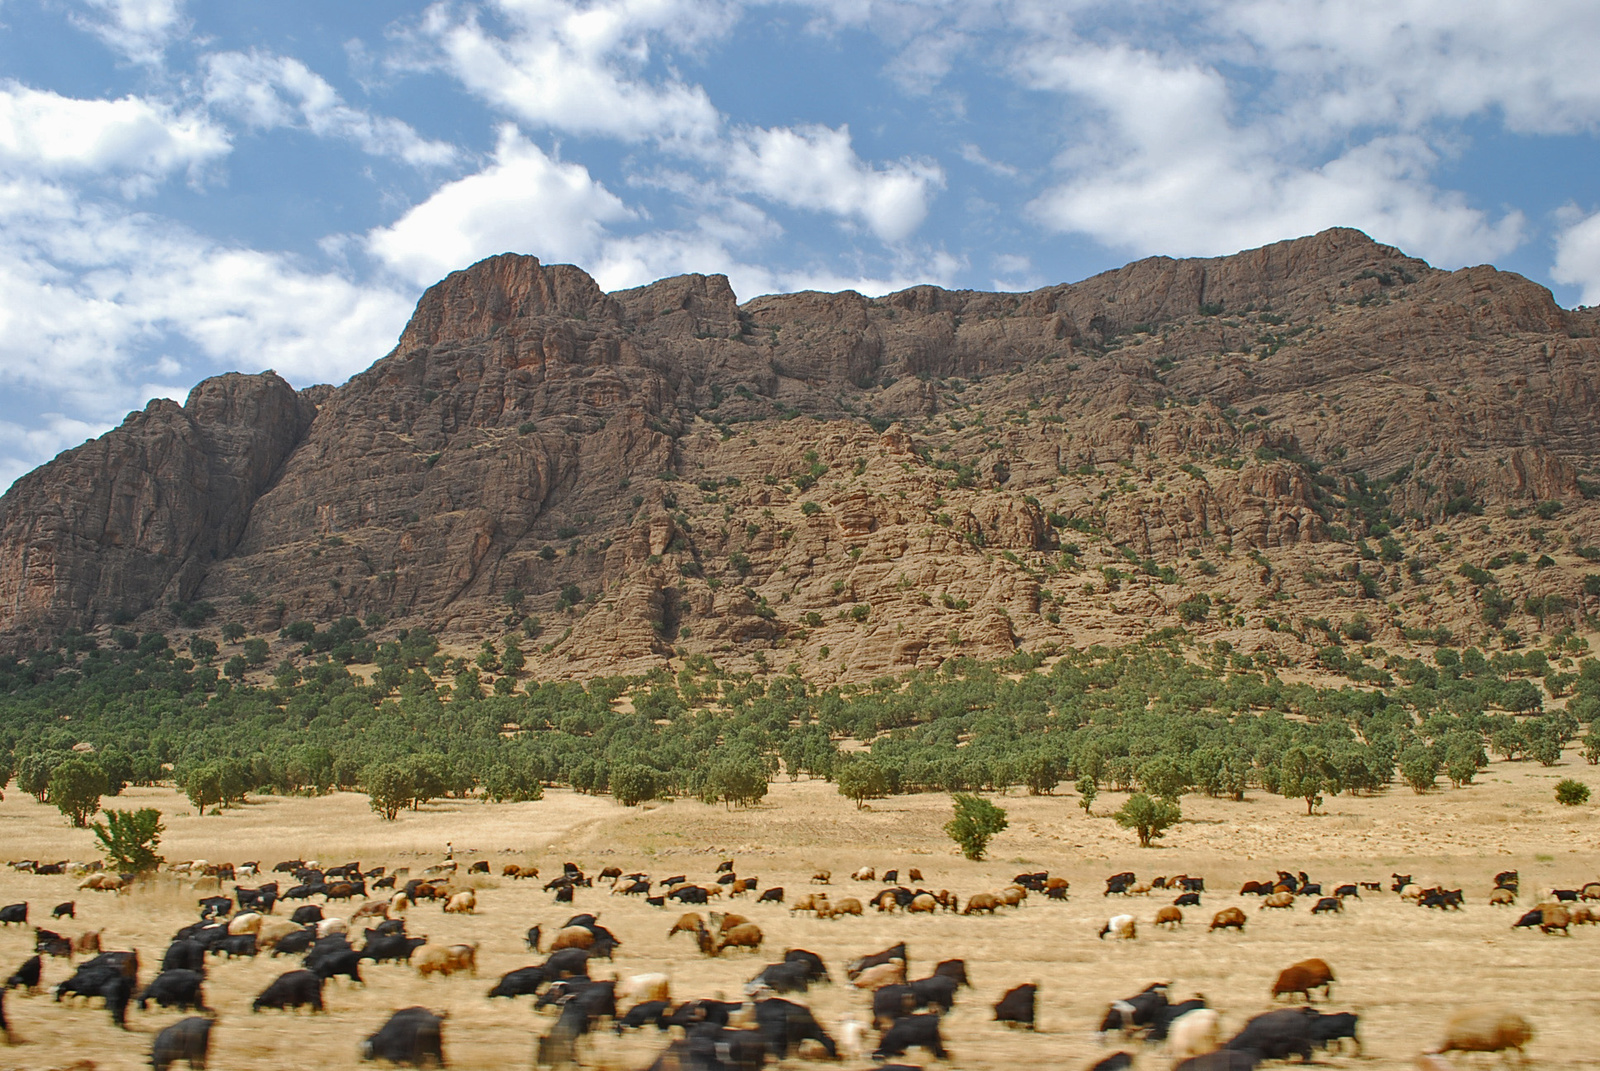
(1403, 968)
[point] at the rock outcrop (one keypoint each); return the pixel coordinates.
(857, 485)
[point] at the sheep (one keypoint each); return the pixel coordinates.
(848, 906)
(809, 902)
(1169, 916)
(1411, 892)
(249, 922)
(1484, 1029)
(372, 909)
(462, 903)
(822, 877)
(688, 922)
(271, 931)
(1194, 1034)
(1554, 917)
(1012, 895)
(746, 935)
(1502, 897)
(981, 902)
(445, 959)
(851, 1032)
(724, 923)
(1228, 917)
(866, 873)
(399, 904)
(891, 973)
(1120, 927)
(645, 987)
(576, 937)
(923, 902)
(329, 927)
(1278, 899)
(1303, 977)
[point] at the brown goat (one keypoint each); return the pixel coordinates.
(1169, 916)
(1228, 918)
(1303, 977)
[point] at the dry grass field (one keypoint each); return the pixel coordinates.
(1402, 967)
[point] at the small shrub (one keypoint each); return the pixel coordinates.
(975, 821)
(1572, 793)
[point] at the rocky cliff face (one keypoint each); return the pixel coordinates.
(855, 485)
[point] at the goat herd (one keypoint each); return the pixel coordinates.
(771, 1020)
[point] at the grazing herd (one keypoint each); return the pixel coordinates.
(770, 1020)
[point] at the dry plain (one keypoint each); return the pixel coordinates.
(1403, 968)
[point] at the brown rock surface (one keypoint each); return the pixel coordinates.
(857, 485)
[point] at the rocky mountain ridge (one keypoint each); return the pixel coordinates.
(859, 485)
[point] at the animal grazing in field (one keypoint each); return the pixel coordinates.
(1187, 899)
(645, 987)
(1278, 900)
(888, 955)
(1303, 977)
(1347, 891)
(866, 873)
(1120, 927)
(1329, 1030)
(1485, 1029)
(462, 903)
(1255, 888)
(14, 914)
(26, 976)
(1553, 917)
(848, 906)
(411, 1036)
(910, 1031)
(748, 935)
(1119, 883)
(882, 974)
(688, 922)
(68, 910)
(445, 959)
(1018, 1006)
(175, 989)
(1137, 1011)
(1502, 897)
(773, 895)
(294, 989)
(1400, 882)
(981, 902)
(1276, 1034)
(1169, 916)
(822, 877)
(1327, 904)
(187, 1039)
(1194, 1033)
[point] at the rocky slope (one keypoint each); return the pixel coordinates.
(859, 486)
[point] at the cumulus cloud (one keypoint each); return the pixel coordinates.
(137, 29)
(269, 91)
(580, 67)
(1168, 169)
(1577, 260)
(44, 133)
(103, 305)
(524, 201)
(817, 169)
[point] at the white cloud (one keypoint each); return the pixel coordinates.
(581, 67)
(103, 306)
(138, 29)
(1578, 256)
(815, 168)
(44, 133)
(1169, 170)
(524, 202)
(269, 91)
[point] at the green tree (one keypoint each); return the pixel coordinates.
(203, 785)
(1149, 818)
(1463, 757)
(1572, 793)
(737, 780)
(1087, 791)
(236, 667)
(33, 773)
(1163, 777)
(129, 839)
(1419, 766)
(633, 784)
(861, 779)
(389, 789)
(1302, 774)
(255, 651)
(976, 821)
(76, 787)
(428, 775)
(1041, 773)
(7, 762)
(232, 632)
(513, 659)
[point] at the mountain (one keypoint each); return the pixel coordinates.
(1258, 446)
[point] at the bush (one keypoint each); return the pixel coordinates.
(129, 839)
(1419, 766)
(1571, 793)
(1149, 818)
(975, 821)
(1087, 791)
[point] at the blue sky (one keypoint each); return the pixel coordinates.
(190, 188)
